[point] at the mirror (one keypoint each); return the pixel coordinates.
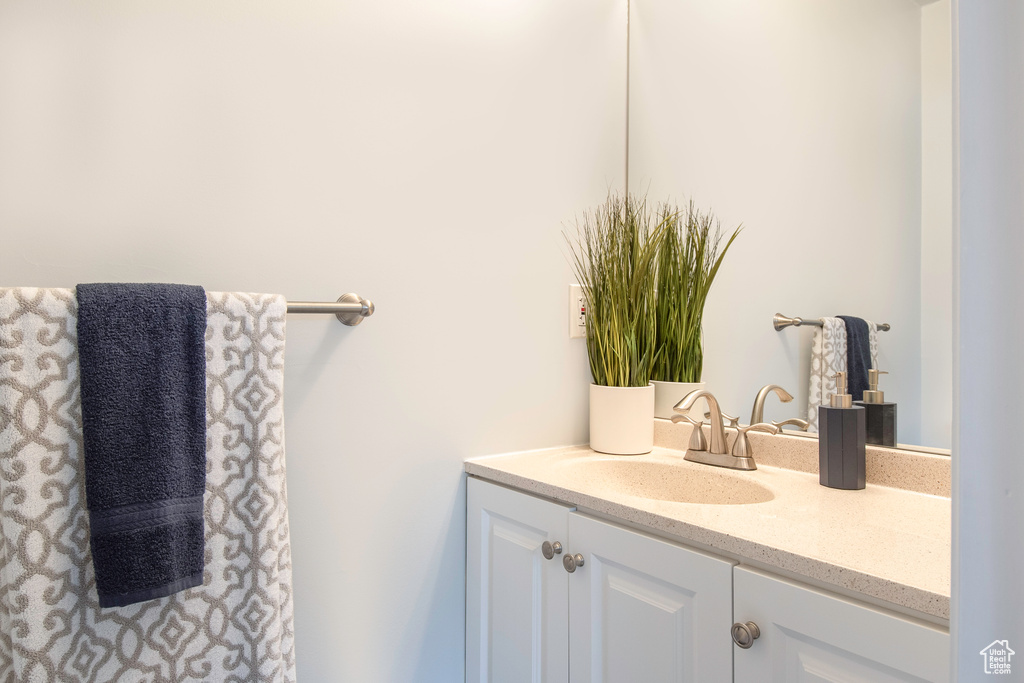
(825, 128)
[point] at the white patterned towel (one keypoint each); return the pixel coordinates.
(828, 356)
(238, 624)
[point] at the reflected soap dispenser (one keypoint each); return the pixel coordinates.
(880, 416)
(841, 438)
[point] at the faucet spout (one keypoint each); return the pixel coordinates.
(718, 440)
(757, 415)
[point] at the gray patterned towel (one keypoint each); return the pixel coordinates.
(238, 624)
(828, 356)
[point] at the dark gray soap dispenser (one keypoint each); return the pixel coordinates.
(880, 416)
(841, 438)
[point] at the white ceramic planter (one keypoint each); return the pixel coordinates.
(622, 419)
(668, 394)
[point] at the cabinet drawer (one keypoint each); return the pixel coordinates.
(810, 635)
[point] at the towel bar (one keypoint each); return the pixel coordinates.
(781, 322)
(350, 308)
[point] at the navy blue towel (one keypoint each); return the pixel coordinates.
(142, 361)
(858, 355)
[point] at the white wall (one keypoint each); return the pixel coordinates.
(988, 471)
(936, 224)
(801, 120)
(425, 155)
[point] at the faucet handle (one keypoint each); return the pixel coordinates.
(741, 446)
(727, 420)
(795, 421)
(698, 442)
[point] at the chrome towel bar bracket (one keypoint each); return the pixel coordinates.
(350, 308)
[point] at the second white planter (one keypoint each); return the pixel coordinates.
(668, 394)
(622, 419)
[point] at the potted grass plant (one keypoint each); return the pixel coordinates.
(688, 260)
(614, 256)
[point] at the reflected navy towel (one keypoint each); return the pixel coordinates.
(142, 361)
(858, 355)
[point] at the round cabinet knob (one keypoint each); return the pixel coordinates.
(550, 549)
(744, 635)
(570, 562)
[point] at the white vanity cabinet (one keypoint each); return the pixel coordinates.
(637, 609)
(517, 624)
(812, 635)
(644, 609)
(641, 608)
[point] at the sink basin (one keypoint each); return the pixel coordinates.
(671, 482)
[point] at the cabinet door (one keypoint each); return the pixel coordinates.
(810, 635)
(642, 609)
(517, 601)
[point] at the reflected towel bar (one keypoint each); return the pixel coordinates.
(781, 322)
(350, 308)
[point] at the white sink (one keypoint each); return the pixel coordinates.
(679, 483)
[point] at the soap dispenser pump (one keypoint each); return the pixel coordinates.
(880, 416)
(841, 439)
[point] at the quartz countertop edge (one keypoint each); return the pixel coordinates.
(894, 564)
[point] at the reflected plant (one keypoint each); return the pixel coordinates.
(688, 260)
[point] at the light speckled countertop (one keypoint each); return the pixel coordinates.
(889, 544)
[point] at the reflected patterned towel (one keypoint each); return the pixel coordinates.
(873, 342)
(238, 624)
(828, 356)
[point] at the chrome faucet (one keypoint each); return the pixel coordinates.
(718, 454)
(757, 414)
(719, 443)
